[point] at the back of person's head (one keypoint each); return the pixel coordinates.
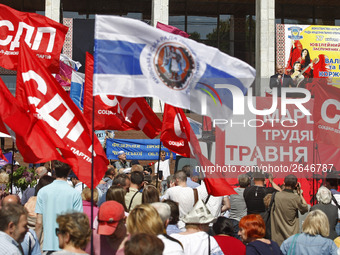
(86, 195)
(290, 181)
(77, 226)
(41, 171)
(10, 199)
(174, 213)
(243, 180)
(181, 176)
(44, 181)
(144, 244)
(163, 210)
(316, 223)
(332, 181)
(110, 172)
(62, 170)
(144, 219)
(324, 195)
(116, 193)
(10, 212)
(150, 194)
(137, 178)
(120, 180)
(259, 176)
(253, 225)
(187, 170)
(223, 226)
(137, 168)
(170, 179)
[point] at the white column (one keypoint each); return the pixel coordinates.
(265, 44)
(160, 13)
(52, 9)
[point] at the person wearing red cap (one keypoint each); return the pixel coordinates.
(111, 234)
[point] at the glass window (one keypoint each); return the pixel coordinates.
(10, 81)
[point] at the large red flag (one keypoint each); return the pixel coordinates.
(33, 143)
(43, 35)
(118, 113)
(327, 114)
(215, 183)
(172, 135)
(61, 117)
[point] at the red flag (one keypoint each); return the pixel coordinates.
(172, 135)
(62, 118)
(43, 35)
(171, 29)
(327, 114)
(215, 183)
(33, 143)
(118, 113)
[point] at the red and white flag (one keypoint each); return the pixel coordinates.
(118, 113)
(327, 115)
(173, 136)
(34, 144)
(215, 183)
(41, 94)
(44, 36)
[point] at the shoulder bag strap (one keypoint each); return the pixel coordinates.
(292, 245)
(132, 200)
(206, 201)
(209, 244)
(195, 196)
(335, 201)
(173, 239)
(272, 200)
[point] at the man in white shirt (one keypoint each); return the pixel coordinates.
(181, 194)
(164, 169)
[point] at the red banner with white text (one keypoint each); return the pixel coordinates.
(44, 36)
(41, 94)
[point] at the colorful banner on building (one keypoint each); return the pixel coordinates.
(316, 48)
(141, 149)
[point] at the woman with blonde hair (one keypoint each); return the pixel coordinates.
(145, 219)
(73, 233)
(313, 240)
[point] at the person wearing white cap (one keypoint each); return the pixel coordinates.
(195, 240)
(121, 163)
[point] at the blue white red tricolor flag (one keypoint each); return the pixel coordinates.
(146, 61)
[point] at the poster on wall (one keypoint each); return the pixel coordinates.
(309, 53)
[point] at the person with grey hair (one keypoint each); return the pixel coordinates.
(238, 207)
(171, 245)
(313, 238)
(324, 197)
(29, 192)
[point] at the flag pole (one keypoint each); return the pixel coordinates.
(12, 166)
(92, 171)
(160, 146)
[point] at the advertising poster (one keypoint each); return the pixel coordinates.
(315, 47)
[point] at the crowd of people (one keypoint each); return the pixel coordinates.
(132, 212)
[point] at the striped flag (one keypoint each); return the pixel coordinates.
(145, 61)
